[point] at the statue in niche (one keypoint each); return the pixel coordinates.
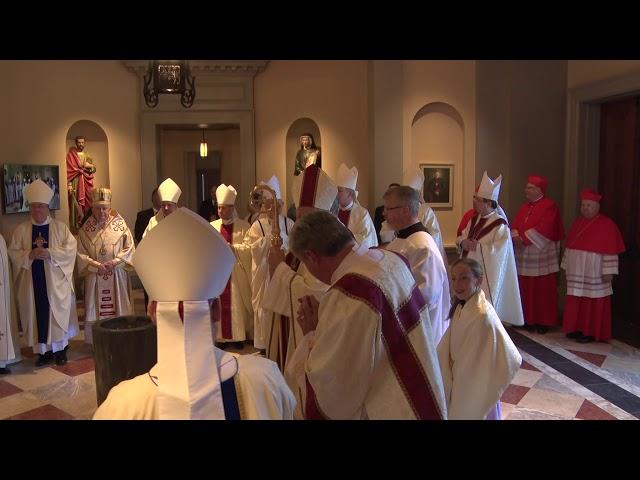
(308, 154)
(80, 173)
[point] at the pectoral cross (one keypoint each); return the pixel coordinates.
(40, 241)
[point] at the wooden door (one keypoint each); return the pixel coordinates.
(619, 182)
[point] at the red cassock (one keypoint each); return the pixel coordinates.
(539, 224)
(590, 311)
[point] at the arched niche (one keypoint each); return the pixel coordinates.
(297, 128)
(438, 138)
(96, 145)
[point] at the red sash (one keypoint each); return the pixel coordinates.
(309, 186)
(343, 216)
(402, 356)
(225, 299)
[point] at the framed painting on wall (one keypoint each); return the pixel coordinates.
(16, 178)
(438, 185)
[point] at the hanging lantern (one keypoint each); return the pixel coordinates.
(171, 77)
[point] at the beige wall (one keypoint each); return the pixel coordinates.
(517, 107)
(335, 94)
(43, 99)
(521, 108)
(331, 93)
(452, 83)
(584, 72)
(385, 125)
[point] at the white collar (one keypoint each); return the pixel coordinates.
(231, 220)
(348, 207)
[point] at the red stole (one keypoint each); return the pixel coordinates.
(469, 214)
(479, 229)
(544, 216)
(225, 299)
(343, 216)
(599, 234)
(85, 182)
(395, 328)
(309, 187)
(291, 260)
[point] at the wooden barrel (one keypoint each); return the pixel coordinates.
(124, 347)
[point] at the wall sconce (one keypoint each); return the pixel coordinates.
(203, 146)
(169, 77)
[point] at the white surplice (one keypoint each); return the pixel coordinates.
(9, 344)
(478, 360)
(261, 391)
(428, 269)
(359, 362)
(428, 218)
(500, 284)
(153, 221)
(285, 288)
(361, 225)
(585, 271)
(258, 241)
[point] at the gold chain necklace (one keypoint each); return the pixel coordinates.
(586, 226)
(103, 250)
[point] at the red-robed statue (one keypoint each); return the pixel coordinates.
(80, 170)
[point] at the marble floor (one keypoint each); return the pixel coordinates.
(559, 380)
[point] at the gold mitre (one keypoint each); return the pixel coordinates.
(101, 197)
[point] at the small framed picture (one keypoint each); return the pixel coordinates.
(17, 177)
(438, 185)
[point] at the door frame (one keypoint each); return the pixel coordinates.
(582, 146)
(583, 138)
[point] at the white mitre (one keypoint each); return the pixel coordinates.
(183, 262)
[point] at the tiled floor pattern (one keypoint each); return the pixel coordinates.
(538, 391)
(541, 392)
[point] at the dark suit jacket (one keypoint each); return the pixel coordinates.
(208, 210)
(142, 220)
(378, 218)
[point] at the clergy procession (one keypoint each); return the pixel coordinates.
(345, 327)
